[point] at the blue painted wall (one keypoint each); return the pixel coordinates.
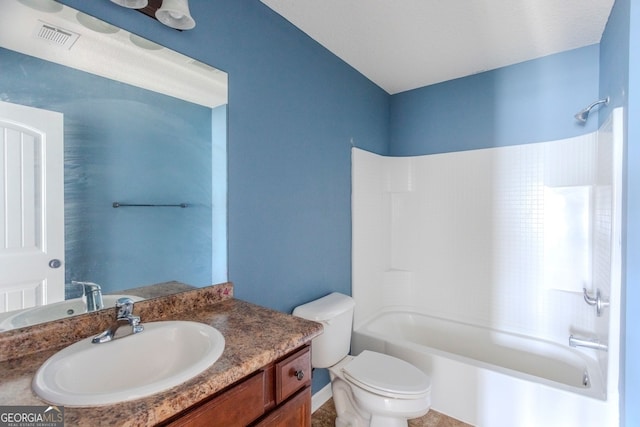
(632, 280)
(129, 145)
(533, 101)
(620, 79)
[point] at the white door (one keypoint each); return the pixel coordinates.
(31, 207)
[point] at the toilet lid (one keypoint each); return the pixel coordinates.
(387, 375)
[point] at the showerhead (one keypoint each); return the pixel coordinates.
(583, 115)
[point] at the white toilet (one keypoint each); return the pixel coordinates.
(371, 389)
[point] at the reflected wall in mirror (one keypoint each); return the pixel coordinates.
(142, 125)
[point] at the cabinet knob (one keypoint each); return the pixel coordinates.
(299, 374)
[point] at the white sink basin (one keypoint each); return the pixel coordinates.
(164, 355)
(55, 311)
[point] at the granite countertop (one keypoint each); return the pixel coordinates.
(254, 337)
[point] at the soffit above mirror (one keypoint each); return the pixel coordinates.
(74, 39)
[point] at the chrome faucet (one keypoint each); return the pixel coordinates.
(588, 343)
(93, 294)
(598, 301)
(124, 316)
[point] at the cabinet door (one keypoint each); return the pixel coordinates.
(236, 407)
(295, 413)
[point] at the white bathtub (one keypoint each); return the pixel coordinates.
(490, 378)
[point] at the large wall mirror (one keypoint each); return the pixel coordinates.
(144, 161)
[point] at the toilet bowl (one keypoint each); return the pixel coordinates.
(370, 389)
(374, 389)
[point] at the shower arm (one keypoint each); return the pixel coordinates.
(583, 114)
(595, 104)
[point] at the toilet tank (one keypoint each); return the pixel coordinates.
(335, 312)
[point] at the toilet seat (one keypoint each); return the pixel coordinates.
(387, 376)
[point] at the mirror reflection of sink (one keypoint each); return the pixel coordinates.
(55, 311)
(164, 355)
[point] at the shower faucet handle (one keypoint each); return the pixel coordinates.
(598, 301)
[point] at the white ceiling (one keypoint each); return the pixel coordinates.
(406, 44)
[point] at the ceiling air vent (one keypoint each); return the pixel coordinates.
(55, 35)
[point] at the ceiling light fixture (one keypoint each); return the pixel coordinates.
(172, 13)
(175, 14)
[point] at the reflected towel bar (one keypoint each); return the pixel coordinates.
(122, 205)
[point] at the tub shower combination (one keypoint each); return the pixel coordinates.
(496, 272)
(491, 378)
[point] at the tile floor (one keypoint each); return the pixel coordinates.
(325, 416)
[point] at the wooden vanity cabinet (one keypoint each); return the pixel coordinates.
(278, 395)
(296, 412)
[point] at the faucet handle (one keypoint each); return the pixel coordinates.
(588, 298)
(124, 308)
(136, 327)
(599, 301)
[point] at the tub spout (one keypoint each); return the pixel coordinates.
(588, 343)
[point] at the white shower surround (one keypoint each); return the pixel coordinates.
(461, 236)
